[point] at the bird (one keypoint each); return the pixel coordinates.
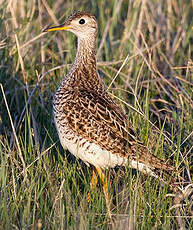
(90, 124)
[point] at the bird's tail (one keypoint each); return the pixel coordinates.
(183, 190)
(147, 163)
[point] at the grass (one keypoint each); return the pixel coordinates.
(144, 55)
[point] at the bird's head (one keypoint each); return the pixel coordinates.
(82, 24)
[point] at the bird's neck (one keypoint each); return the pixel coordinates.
(83, 73)
(86, 52)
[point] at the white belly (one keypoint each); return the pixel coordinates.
(93, 154)
(90, 153)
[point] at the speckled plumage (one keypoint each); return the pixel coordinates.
(89, 122)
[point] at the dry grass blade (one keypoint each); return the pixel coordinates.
(35, 126)
(14, 132)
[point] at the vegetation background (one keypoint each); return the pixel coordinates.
(144, 52)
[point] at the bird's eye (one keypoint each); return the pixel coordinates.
(82, 21)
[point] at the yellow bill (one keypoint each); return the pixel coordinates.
(56, 28)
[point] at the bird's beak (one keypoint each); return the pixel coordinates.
(56, 28)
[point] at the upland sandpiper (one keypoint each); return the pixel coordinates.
(89, 122)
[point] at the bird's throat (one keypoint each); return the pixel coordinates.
(86, 52)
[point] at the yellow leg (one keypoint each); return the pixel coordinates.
(93, 184)
(94, 180)
(105, 188)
